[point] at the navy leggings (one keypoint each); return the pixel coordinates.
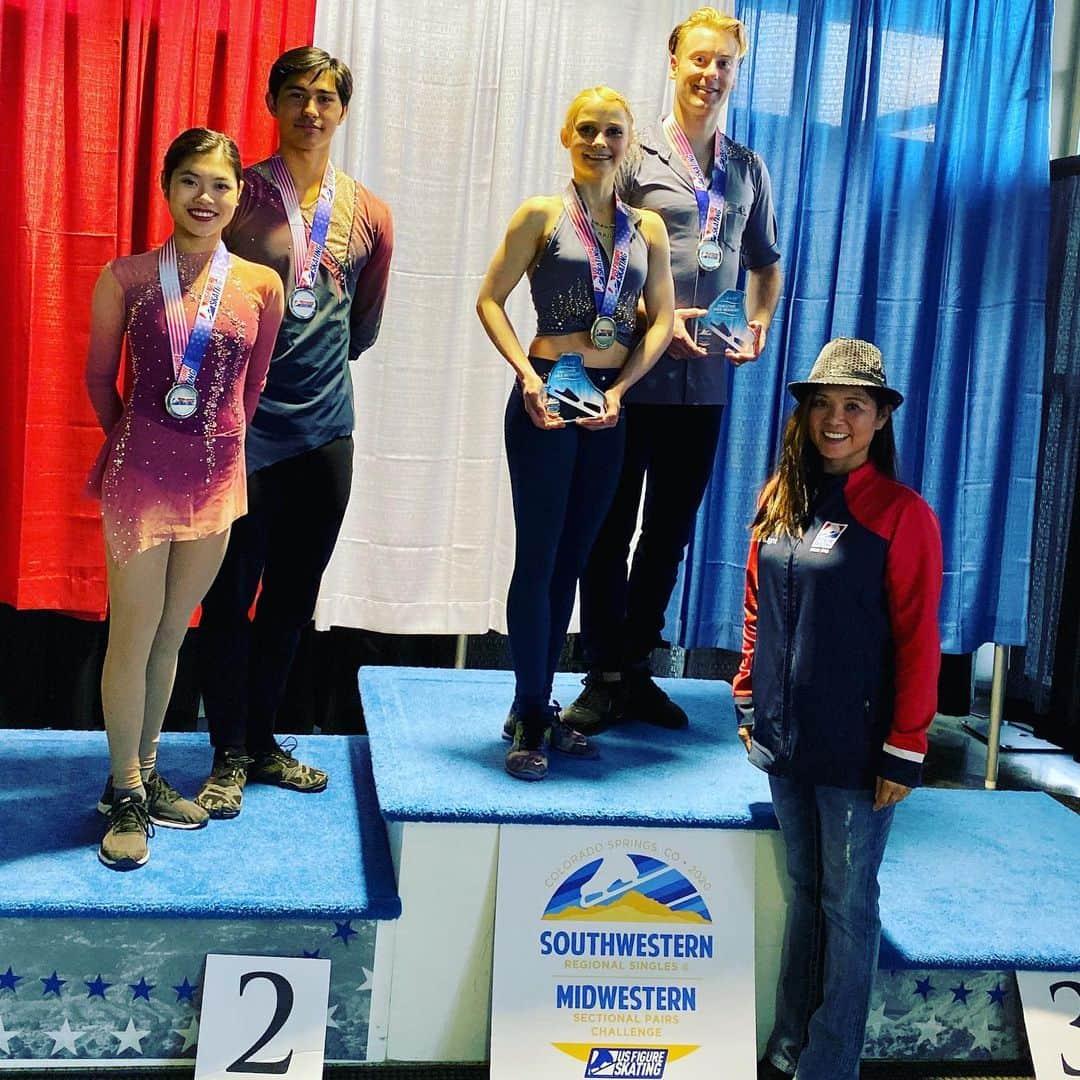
(563, 482)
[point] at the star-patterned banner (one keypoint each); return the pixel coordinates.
(944, 1016)
(103, 989)
(99, 990)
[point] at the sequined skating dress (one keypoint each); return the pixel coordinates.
(160, 478)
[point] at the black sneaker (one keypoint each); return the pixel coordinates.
(124, 846)
(599, 706)
(222, 792)
(643, 700)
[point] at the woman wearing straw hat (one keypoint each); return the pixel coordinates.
(836, 690)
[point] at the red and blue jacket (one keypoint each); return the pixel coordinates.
(841, 650)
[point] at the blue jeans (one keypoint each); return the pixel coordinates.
(834, 841)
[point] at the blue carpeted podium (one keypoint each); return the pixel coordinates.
(286, 856)
(391, 873)
(958, 888)
(438, 755)
(84, 951)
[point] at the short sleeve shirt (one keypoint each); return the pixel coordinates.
(660, 181)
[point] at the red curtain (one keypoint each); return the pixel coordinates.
(97, 90)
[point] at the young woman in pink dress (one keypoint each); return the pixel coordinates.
(199, 325)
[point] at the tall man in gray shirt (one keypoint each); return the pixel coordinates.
(715, 197)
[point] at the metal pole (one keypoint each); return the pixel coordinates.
(997, 711)
(462, 651)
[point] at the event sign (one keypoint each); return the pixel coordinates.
(623, 952)
(1052, 1018)
(262, 1016)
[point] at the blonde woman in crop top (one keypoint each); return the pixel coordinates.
(590, 261)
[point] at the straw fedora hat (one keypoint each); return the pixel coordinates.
(848, 362)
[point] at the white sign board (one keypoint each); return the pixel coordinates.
(262, 1016)
(1051, 1002)
(623, 952)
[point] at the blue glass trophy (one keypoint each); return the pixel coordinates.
(572, 395)
(724, 326)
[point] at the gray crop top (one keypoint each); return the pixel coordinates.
(561, 283)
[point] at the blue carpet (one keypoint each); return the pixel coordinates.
(286, 856)
(971, 879)
(437, 756)
(982, 879)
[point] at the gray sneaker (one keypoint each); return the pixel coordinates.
(526, 759)
(560, 737)
(167, 807)
(124, 846)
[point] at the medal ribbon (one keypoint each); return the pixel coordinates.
(606, 287)
(188, 344)
(306, 251)
(710, 197)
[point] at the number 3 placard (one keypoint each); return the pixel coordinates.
(262, 1016)
(1052, 1018)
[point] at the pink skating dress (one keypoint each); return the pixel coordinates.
(160, 478)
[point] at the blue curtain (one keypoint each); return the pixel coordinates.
(908, 146)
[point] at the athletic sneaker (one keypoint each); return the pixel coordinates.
(124, 846)
(643, 700)
(526, 759)
(278, 766)
(222, 792)
(167, 807)
(599, 706)
(766, 1070)
(560, 737)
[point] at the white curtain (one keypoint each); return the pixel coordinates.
(454, 121)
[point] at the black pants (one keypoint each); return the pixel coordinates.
(670, 449)
(295, 509)
(562, 483)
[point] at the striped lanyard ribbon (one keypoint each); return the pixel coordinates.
(188, 343)
(307, 251)
(710, 196)
(606, 287)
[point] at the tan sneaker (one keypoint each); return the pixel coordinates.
(279, 767)
(167, 807)
(222, 792)
(124, 846)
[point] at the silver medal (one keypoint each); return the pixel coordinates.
(181, 401)
(709, 255)
(303, 304)
(603, 332)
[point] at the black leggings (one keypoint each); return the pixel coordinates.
(295, 509)
(563, 481)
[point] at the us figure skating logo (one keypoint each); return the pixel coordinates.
(627, 888)
(621, 1061)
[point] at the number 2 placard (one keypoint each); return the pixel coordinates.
(262, 1016)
